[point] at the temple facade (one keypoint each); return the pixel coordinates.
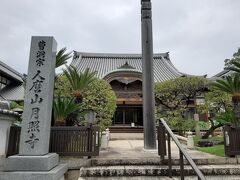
(124, 73)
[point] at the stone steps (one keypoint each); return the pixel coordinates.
(233, 177)
(153, 170)
(157, 161)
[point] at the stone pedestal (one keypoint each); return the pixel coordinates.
(56, 173)
(6, 121)
(44, 167)
(31, 163)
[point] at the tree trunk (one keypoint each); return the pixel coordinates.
(210, 131)
(60, 122)
(236, 108)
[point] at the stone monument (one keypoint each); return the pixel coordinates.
(34, 160)
(147, 66)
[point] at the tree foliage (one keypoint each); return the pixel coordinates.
(98, 96)
(62, 57)
(235, 58)
(79, 80)
(173, 98)
(62, 86)
(14, 104)
(219, 107)
(178, 93)
(235, 67)
(167, 95)
(231, 85)
(62, 107)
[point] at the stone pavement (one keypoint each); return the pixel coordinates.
(126, 136)
(134, 149)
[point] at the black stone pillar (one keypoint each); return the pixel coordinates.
(147, 66)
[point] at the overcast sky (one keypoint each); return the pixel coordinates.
(198, 34)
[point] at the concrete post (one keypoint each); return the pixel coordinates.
(104, 140)
(147, 66)
(197, 128)
(190, 142)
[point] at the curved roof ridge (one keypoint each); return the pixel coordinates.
(223, 72)
(171, 67)
(104, 63)
(121, 70)
(89, 54)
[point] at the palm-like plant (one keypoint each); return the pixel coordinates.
(79, 80)
(62, 107)
(231, 85)
(62, 57)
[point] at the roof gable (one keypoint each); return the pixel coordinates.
(10, 73)
(103, 63)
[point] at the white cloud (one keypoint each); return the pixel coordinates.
(198, 34)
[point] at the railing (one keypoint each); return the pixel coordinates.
(66, 141)
(163, 128)
(75, 141)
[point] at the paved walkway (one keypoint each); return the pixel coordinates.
(134, 149)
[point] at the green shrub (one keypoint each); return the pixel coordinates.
(180, 124)
(203, 125)
(100, 97)
(14, 104)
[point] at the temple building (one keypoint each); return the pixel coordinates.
(124, 73)
(11, 84)
(224, 73)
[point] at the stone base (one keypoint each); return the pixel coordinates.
(31, 163)
(56, 173)
(150, 150)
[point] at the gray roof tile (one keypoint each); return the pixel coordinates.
(12, 92)
(10, 72)
(103, 63)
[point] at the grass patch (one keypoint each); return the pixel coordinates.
(196, 139)
(216, 150)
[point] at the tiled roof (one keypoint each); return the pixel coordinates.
(224, 73)
(12, 92)
(8, 112)
(104, 63)
(10, 72)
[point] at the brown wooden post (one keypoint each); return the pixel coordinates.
(161, 140)
(181, 165)
(169, 155)
(90, 135)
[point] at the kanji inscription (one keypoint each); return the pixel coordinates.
(36, 124)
